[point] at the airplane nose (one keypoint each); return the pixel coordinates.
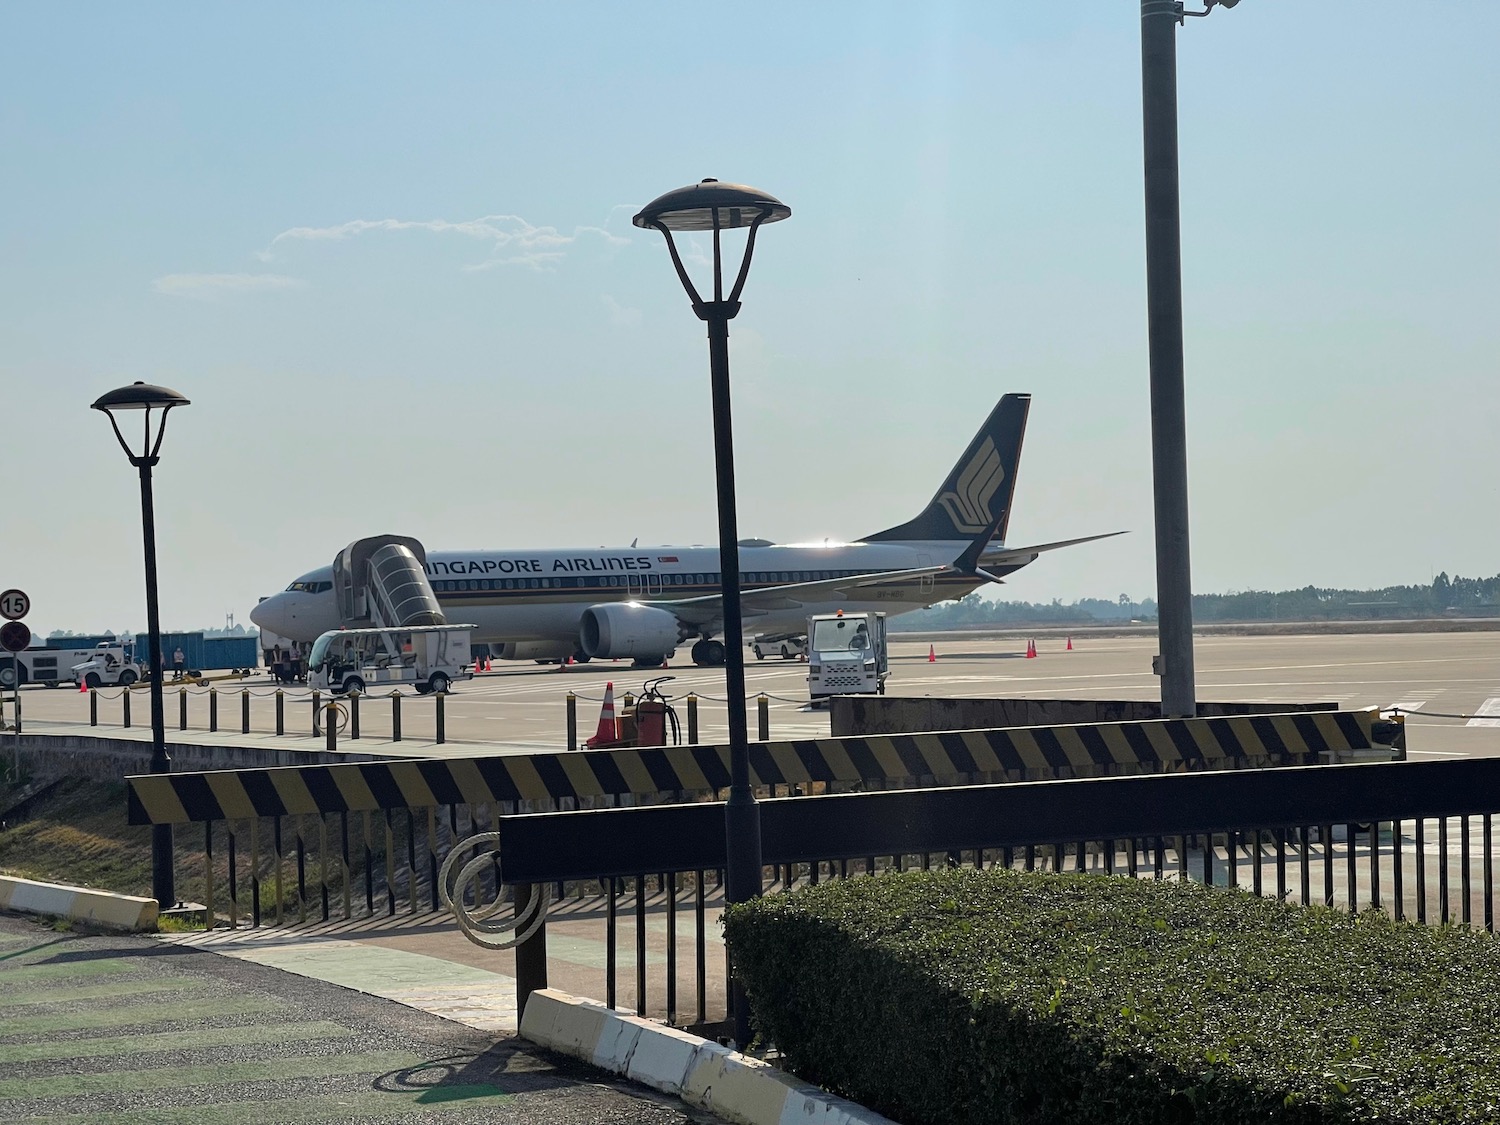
(271, 614)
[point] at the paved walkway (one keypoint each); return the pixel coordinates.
(118, 1030)
(424, 961)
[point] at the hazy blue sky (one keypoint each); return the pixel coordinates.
(386, 250)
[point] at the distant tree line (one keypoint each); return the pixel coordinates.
(1456, 596)
(232, 631)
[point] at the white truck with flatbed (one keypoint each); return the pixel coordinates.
(43, 665)
(429, 657)
(789, 646)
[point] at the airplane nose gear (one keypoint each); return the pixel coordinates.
(478, 923)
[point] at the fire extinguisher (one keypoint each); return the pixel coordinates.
(655, 717)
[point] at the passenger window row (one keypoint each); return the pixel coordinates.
(589, 582)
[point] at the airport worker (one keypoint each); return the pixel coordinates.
(177, 661)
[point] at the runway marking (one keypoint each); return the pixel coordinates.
(1406, 705)
(1491, 708)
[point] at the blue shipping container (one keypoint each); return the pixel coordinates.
(230, 652)
(199, 653)
(190, 643)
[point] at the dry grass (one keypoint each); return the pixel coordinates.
(79, 836)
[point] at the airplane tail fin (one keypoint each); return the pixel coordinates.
(977, 493)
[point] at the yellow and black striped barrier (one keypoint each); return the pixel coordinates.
(1084, 750)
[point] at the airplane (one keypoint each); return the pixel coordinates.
(643, 602)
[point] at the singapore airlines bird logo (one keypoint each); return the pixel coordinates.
(969, 507)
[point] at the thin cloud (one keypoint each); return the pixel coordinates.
(207, 286)
(512, 240)
(621, 316)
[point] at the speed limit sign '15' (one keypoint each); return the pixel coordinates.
(14, 605)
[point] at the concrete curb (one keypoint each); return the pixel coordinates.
(734, 1086)
(103, 908)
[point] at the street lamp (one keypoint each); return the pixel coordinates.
(714, 206)
(1174, 586)
(146, 398)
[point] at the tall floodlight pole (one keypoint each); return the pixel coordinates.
(714, 206)
(146, 398)
(1174, 584)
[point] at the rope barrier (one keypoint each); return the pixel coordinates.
(1436, 714)
(749, 698)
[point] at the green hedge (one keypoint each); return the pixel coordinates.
(1000, 996)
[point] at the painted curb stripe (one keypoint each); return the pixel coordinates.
(957, 750)
(714, 769)
(231, 796)
(1181, 737)
(948, 756)
(702, 1073)
(29, 896)
(1229, 742)
(324, 789)
(981, 752)
(1311, 733)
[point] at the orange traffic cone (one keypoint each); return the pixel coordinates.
(487, 664)
(1070, 644)
(932, 654)
(1031, 649)
(82, 686)
(608, 733)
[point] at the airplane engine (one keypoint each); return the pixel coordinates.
(532, 650)
(617, 629)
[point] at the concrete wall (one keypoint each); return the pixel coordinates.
(854, 715)
(100, 758)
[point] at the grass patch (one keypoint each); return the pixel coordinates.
(79, 837)
(1010, 997)
(180, 924)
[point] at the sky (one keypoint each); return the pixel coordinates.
(386, 251)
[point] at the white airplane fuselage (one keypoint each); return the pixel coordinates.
(518, 596)
(540, 600)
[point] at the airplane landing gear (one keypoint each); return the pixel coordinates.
(708, 654)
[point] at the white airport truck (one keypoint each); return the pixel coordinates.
(108, 665)
(429, 657)
(846, 654)
(52, 666)
(790, 646)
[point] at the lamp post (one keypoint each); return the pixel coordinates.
(1174, 587)
(146, 398)
(714, 206)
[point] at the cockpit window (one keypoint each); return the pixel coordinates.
(303, 587)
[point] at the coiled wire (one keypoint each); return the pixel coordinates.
(478, 924)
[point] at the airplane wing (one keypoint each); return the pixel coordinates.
(1027, 554)
(709, 608)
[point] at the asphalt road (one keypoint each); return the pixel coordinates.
(116, 1030)
(523, 705)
